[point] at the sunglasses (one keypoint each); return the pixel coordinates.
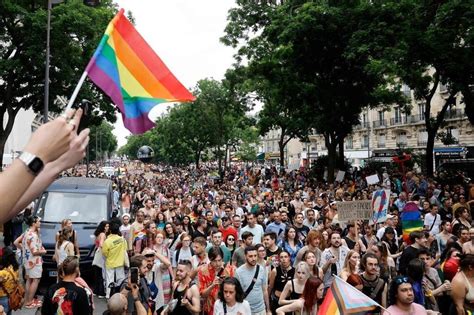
(401, 280)
(231, 239)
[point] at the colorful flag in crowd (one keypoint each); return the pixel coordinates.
(380, 201)
(127, 69)
(342, 298)
(411, 220)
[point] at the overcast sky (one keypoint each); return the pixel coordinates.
(185, 34)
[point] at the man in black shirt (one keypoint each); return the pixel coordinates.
(66, 295)
(418, 240)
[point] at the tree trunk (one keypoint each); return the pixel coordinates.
(331, 145)
(197, 157)
(429, 152)
(340, 158)
(5, 132)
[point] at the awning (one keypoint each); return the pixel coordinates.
(261, 156)
(450, 151)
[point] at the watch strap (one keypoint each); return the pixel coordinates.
(33, 163)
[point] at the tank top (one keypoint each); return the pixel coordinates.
(282, 278)
(180, 309)
(62, 254)
(294, 295)
(470, 290)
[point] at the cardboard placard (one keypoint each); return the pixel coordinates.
(340, 176)
(372, 179)
(354, 210)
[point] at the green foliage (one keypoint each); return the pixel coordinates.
(446, 138)
(307, 68)
(102, 141)
(248, 146)
(76, 30)
(425, 44)
(134, 142)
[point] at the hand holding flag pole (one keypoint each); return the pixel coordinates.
(127, 69)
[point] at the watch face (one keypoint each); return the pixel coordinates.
(36, 165)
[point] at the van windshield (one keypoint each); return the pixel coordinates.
(78, 207)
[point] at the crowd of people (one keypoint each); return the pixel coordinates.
(258, 241)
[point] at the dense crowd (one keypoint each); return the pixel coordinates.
(257, 241)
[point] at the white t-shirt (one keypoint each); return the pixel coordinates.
(416, 309)
(429, 219)
(257, 232)
(243, 308)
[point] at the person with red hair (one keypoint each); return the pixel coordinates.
(307, 303)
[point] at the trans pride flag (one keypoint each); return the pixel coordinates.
(127, 69)
(342, 298)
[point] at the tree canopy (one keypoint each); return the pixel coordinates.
(76, 30)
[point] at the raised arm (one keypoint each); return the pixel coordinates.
(294, 306)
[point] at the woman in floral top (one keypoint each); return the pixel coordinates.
(32, 251)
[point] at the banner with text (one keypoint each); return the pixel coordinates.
(354, 210)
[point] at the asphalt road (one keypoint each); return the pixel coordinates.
(100, 307)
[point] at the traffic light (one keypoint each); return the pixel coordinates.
(92, 3)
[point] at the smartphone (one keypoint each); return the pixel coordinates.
(134, 275)
(85, 120)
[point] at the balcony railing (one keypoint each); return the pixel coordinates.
(381, 145)
(362, 125)
(416, 118)
(401, 120)
(380, 123)
(364, 145)
(454, 113)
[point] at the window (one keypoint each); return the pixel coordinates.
(402, 138)
(381, 115)
(398, 115)
(365, 141)
(381, 141)
(313, 148)
(422, 137)
(364, 119)
(421, 111)
(349, 143)
(454, 132)
(406, 90)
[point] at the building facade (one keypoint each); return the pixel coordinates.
(382, 132)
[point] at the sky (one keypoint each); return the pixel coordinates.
(185, 34)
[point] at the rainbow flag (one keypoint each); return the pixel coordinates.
(127, 69)
(342, 298)
(411, 220)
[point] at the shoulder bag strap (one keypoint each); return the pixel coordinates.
(379, 286)
(253, 282)
(434, 221)
(225, 307)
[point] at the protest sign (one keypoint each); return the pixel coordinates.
(340, 176)
(379, 204)
(372, 179)
(354, 210)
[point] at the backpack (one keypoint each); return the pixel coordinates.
(17, 296)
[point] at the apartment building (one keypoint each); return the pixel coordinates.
(382, 132)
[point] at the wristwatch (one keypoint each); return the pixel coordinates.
(32, 162)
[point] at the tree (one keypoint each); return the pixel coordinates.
(75, 33)
(433, 46)
(248, 144)
(312, 74)
(134, 142)
(102, 141)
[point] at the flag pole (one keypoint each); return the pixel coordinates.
(365, 295)
(76, 90)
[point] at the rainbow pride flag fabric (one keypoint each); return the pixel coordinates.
(127, 69)
(342, 298)
(411, 220)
